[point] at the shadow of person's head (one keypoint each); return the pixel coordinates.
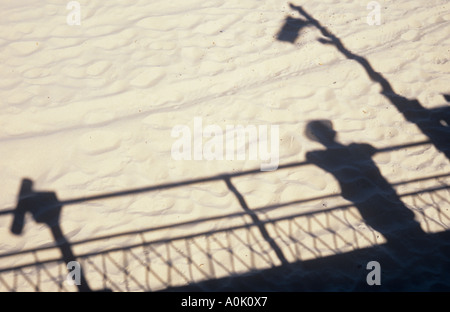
(321, 131)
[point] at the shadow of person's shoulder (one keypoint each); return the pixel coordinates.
(362, 148)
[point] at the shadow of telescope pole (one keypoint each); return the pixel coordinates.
(45, 208)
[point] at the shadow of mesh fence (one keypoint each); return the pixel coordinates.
(146, 260)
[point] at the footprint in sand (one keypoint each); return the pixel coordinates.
(98, 68)
(24, 48)
(411, 35)
(147, 77)
(98, 141)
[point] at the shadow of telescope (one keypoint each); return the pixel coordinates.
(46, 209)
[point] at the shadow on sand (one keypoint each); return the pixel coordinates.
(339, 263)
(410, 258)
(434, 123)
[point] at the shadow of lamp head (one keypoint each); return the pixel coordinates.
(291, 29)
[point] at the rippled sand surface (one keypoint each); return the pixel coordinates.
(87, 112)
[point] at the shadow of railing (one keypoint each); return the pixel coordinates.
(274, 247)
(260, 240)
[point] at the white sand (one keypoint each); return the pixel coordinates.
(89, 110)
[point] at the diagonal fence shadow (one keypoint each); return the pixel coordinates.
(149, 265)
(272, 248)
(262, 240)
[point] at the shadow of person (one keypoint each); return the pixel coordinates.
(361, 183)
(45, 208)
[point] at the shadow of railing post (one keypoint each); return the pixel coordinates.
(154, 249)
(256, 221)
(52, 204)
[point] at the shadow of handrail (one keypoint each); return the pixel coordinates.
(175, 255)
(240, 214)
(148, 251)
(164, 240)
(224, 176)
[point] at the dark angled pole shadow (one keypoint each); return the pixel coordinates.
(45, 208)
(434, 123)
(361, 183)
(261, 226)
